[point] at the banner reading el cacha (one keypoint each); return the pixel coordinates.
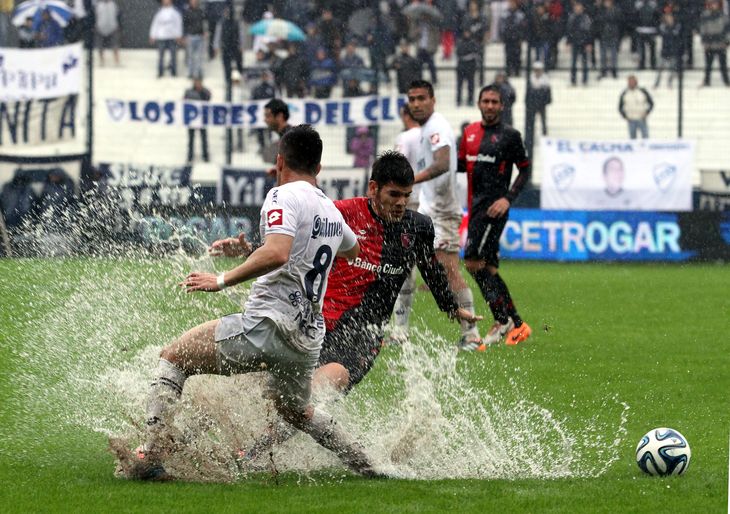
(637, 175)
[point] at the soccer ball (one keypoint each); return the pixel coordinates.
(663, 451)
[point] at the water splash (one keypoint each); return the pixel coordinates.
(90, 358)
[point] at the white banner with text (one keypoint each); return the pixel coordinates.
(27, 74)
(637, 175)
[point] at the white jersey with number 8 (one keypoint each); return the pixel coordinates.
(292, 295)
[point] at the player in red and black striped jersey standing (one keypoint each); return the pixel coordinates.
(488, 152)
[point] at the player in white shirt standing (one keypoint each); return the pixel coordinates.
(282, 325)
(407, 143)
(436, 172)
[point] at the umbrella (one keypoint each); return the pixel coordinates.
(419, 10)
(277, 28)
(58, 10)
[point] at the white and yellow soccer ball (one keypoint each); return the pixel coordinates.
(663, 451)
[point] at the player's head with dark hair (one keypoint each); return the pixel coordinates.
(391, 185)
(421, 100)
(301, 149)
(391, 166)
(490, 104)
(276, 114)
(422, 84)
(491, 87)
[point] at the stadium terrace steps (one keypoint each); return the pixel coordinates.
(576, 112)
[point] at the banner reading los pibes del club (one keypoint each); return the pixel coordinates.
(31, 74)
(636, 175)
(364, 110)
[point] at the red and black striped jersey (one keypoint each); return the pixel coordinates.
(487, 155)
(367, 287)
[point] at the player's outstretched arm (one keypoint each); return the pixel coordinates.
(273, 254)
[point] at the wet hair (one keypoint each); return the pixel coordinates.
(278, 106)
(392, 166)
(422, 84)
(494, 88)
(301, 149)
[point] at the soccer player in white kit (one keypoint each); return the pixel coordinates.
(436, 172)
(407, 143)
(281, 328)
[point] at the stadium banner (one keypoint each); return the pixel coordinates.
(615, 236)
(636, 175)
(27, 74)
(148, 186)
(364, 110)
(248, 187)
(714, 192)
(38, 122)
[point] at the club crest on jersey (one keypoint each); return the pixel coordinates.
(274, 217)
(494, 138)
(435, 138)
(406, 240)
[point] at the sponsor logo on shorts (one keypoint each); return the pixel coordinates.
(274, 217)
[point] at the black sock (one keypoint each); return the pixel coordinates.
(509, 305)
(490, 289)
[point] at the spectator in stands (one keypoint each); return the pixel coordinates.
(195, 34)
(264, 90)
(18, 200)
(671, 34)
(362, 146)
(687, 14)
(293, 73)
(424, 30)
(6, 11)
(57, 197)
(468, 53)
(214, 10)
(380, 41)
(509, 96)
(557, 29)
(26, 34)
(539, 96)
(49, 33)
(331, 30)
(166, 31)
(407, 67)
(323, 75)
(351, 65)
(107, 28)
(539, 32)
(237, 99)
(715, 30)
(647, 28)
(478, 26)
(635, 104)
(449, 25)
(512, 31)
(579, 34)
(609, 22)
(201, 94)
(228, 40)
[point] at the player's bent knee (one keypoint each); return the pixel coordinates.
(473, 266)
(333, 375)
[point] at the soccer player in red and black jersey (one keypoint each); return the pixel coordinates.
(361, 293)
(488, 152)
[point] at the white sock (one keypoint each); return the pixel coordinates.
(466, 301)
(404, 303)
(165, 390)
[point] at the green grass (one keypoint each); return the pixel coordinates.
(653, 336)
